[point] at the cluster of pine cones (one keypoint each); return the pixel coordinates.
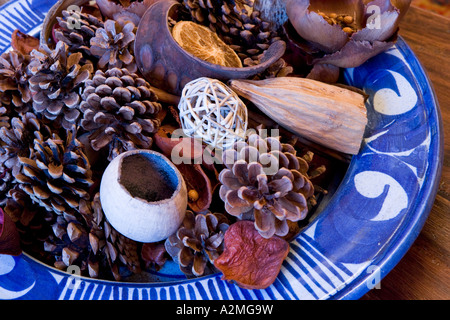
(66, 112)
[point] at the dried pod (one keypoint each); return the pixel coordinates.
(250, 260)
(194, 174)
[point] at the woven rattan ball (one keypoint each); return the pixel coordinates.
(211, 111)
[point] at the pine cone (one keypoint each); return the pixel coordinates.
(198, 242)
(57, 174)
(56, 82)
(108, 244)
(77, 37)
(119, 111)
(237, 23)
(69, 241)
(113, 44)
(279, 69)
(14, 75)
(17, 140)
(271, 199)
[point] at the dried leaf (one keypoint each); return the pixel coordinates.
(250, 260)
(23, 42)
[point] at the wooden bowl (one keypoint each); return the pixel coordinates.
(143, 195)
(166, 65)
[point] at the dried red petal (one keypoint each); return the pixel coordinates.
(250, 260)
(9, 236)
(154, 254)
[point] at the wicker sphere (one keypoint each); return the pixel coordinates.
(211, 111)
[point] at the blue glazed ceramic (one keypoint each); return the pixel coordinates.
(366, 228)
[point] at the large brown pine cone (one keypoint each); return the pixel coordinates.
(119, 111)
(76, 29)
(237, 23)
(57, 79)
(57, 174)
(198, 242)
(14, 75)
(267, 182)
(113, 45)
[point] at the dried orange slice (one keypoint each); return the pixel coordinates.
(204, 44)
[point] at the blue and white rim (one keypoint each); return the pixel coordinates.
(366, 228)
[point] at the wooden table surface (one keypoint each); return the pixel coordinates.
(424, 272)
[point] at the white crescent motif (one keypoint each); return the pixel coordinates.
(371, 184)
(388, 102)
(7, 264)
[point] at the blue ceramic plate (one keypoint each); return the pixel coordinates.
(367, 226)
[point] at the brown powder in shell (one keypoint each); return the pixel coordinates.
(148, 177)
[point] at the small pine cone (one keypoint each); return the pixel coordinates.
(267, 181)
(107, 243)
(14, 75)
(77, 37)
(57, 174)
(198, 242)
(119, 110)
(113, 45)
(56, 82)
(69, 241)
(19, 138)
